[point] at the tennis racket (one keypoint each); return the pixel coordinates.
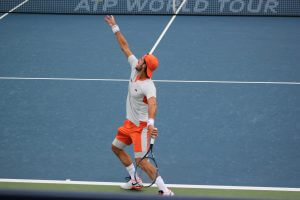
(140, 174)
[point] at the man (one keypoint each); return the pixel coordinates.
(140, 114)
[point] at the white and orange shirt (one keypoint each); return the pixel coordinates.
(138, 93)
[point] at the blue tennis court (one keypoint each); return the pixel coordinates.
(228, 98)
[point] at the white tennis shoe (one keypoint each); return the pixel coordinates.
(169, 193)
(132, 184)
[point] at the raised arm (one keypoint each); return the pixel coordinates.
(110, 20)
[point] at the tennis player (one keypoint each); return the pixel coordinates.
(140, 113)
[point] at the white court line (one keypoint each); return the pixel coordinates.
(68, 182)
(161, 81)
(21, 4)
(166, 28)
(63, 79)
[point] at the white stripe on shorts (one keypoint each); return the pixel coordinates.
(119, 144)
(144, 144)
(144, 139)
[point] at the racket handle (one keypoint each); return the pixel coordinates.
(152, 140)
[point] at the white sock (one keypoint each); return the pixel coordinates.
(161, 185)
(131, 170)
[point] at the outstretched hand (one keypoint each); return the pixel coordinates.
(110, 20)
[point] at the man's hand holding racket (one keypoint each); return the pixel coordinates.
(152, 131)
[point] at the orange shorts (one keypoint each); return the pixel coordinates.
(129, 134)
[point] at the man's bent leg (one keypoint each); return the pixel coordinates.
(126, 161)
(122, 155)
(122, 140)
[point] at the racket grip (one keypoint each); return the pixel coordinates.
(152, 140)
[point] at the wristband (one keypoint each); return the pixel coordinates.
(150, 122)
(115, 28)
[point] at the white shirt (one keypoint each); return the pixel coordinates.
(138, 93)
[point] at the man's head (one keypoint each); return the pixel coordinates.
(147, 64)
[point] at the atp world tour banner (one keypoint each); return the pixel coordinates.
(192, 7)
(155, 7)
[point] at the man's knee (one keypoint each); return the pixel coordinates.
(116, 150)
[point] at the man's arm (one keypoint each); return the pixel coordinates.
(152, 107)
(110, 20)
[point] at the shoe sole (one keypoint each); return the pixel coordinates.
(133, 188)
